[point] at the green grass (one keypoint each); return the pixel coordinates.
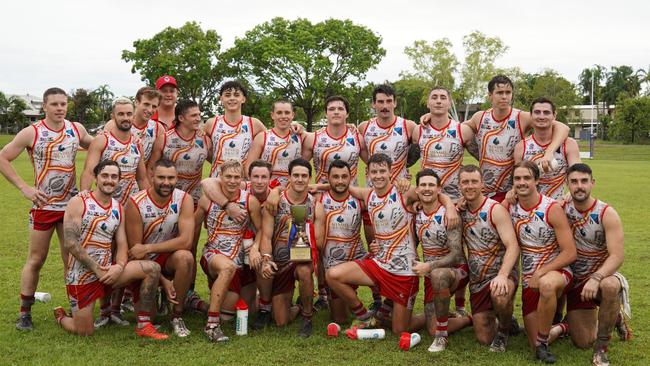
(621, 179)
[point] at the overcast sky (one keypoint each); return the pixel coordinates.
(78, 44)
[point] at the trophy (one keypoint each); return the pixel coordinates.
(299, 245)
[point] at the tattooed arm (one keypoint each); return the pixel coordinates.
(72, 235)
(455, 255)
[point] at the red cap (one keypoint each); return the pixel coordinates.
(164, 80)
(405, 341)
(241, 305)
(351, 333)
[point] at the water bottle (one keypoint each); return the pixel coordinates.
(356, 333)
(42, 297)
(248, 239)
(409, 340)
(333, 330)
(241, 327)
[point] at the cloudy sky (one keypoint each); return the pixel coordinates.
(75, 43)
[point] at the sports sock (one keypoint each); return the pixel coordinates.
(143, 317)
(265, 305)
(213, 317)
(602, 342)
(541, 339)
(460, 303)
(360, 312)
(443, 325)
(26, 303)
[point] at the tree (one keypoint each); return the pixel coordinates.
(632, 119)
(621, 79)
(305, 62)
(103, 96)
(81, 107)
(584, 83)
(12, 117)
(433, 62)
(412, 95)
(359, 96)
(187, 53)
(549, 84)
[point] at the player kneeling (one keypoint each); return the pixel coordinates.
(92, 222)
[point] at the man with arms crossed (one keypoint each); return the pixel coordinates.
(92, 222)
(52, 145)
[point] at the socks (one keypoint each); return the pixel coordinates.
(226, 315)
(360, 312)
(265, 305)
(213, 317)
(115, 309)
(385, 309)
(26, 303)
(460, 303)
(176, 314)
(105, 309)
(143, 318)
(542, 339)
(441, 328)
(602, 342)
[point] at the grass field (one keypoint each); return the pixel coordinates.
(621, 172)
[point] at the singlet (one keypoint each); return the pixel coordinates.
(550, 184)
(393, 232)
(280, 151)
(230, 141)
(224, 234)
(392, 141)
(53, 156)
(98, 227)
(281, 227)
(160, 223)
(326, 149)
(188, 156)
(442, 150)
(342, 230)
(432, 233)
(497, 141)
(127, 154)
(147, 136)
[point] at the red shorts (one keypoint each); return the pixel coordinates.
(161, 259)
(284, 280)
(401, 289)
(530, 297)
(81, 296)
(235, 284)
(574, 301)
(366, 218)
(482, 300)
(43, 220)
(247, 276)
(461, 271)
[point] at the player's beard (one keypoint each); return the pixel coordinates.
(161, 193)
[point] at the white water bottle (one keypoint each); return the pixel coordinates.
(248, 243)
(356, 333)
(409, 340)
(241, 327)
(42, 297)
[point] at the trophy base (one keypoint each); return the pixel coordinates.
(300, 254)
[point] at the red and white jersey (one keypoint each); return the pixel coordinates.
(393, 232)
(283, 221)
(442, 150)
(127, 154)
(485, 250)
(432, 233)
(147, 136)
(224, 234)
(230, 141)
(392, 141)
(589, 234)
(326, 149)
(188, 156)
(98, 227)
(342, 230)
(280, 151)
(497, 140)
(160, 223)
(53, 155)
(550, 184)
(536, 236)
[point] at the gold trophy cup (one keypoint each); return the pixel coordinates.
(300, 250)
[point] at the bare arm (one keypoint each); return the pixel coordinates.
(141, 175)
(256, 150)
(122, 246)
(363, 153)
(268, 221)
(319, 225)
(85, 139)
(454, 243)
(614, 238)
(199, 215)
(134, 225)
(519, 152)
(558, 220)
(156, 153)
(308, 145)
(255, 211)
(72, 235)
(185, 231)
(9, 153)
(208, 125)
(360, 192)
(411, 127)
(503, 223)
(572, 152)
(92, 159)
(451, 216)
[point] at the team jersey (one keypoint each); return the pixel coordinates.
(432, 233)
(392, 141)
(342, 230)
(98, 227)
(326, 149)
(127, 154)
(147, 136)
(160, 223)
(589, 234)
(497, 140)
(281, 227)
(442, 151)
(230, 141)
(53, 156)
(552, 183)
(224, 234)
(485, 250)
(280, 151)
(393, 232)
(536, 237)
(188, 156)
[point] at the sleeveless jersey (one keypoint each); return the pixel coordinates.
(326, 149)
(432, 233)
(589, 234)
(53, 156)
(550, 184)
(224, 234)
(393, 232)
(127, 155)
(280, 151)
(188, 156)
(342, 230)
(98, 227)
(160, 223)
(497, 141)
(230, 141)
(392, 141)
(281, 227)
(536, 237)
(485, 250)
(442, 150)
(147, 136)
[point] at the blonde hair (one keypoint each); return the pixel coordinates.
(121, 101)
(231, 164)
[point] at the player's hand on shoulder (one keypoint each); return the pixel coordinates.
(511, 197)
(452, 219)
(461, 205)
(272, 202)
(425, 119)
(403, 185)
(237, 213)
